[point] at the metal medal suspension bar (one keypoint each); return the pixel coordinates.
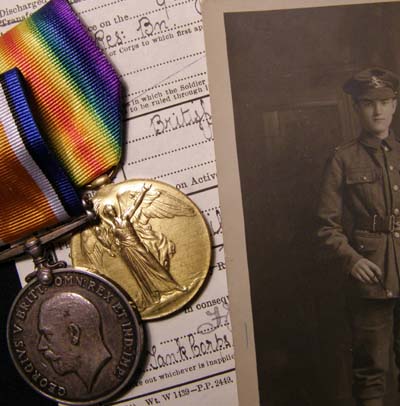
(73, 335)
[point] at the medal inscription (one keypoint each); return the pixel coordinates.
(151, 239)
(77, 340)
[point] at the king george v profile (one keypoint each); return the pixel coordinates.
(71, 337)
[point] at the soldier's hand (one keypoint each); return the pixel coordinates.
(366, 271)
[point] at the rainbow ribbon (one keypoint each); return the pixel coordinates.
(35, 191)
(75, 96)
(75, 89)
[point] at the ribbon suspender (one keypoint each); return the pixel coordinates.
(35, 191)
(75, 89)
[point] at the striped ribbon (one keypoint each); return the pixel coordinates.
(75, 89)
(35, 191)
(75, 96)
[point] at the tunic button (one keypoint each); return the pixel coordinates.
(386, 148)
(396, 235)
(361, 246)
(395, 188)
(396, 211)
(391, 167)
(364, 178)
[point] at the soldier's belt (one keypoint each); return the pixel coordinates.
(377, 224)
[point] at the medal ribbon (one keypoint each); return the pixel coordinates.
(75, 97)
(35, 191)
(75, 89)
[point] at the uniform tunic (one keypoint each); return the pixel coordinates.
(363, 176)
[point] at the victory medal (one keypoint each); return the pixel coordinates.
(151, 239)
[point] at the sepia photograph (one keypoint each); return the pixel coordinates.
(307, 128)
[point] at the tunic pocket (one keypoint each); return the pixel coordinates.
(365, 184)
(366, 242)
(362, 175)
(371, 246)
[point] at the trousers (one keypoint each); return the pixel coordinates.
(375, 325)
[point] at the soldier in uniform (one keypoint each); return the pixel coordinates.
(363, 179)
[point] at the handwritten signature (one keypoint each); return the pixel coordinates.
(185, 117)
(186, 348)
(106, 41)
(148, 27)
(216, 319)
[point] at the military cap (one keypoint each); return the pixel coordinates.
(372, 83)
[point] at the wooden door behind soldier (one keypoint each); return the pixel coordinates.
(297, 143)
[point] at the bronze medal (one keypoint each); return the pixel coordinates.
(151, 239)
(77, 339)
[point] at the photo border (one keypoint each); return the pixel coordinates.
(213, 12)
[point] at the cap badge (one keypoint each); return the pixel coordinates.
(376, 82)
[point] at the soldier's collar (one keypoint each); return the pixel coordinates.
(371, 141)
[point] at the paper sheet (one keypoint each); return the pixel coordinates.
(157, 47)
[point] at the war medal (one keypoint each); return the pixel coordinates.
(77, 339)
(151, 239)
(74, 336)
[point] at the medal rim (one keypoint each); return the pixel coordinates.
(135, 316)
(195, 291)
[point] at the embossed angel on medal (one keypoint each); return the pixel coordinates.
(73, 335)
(152, 240)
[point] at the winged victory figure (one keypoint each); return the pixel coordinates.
(147, 253)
